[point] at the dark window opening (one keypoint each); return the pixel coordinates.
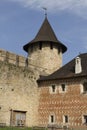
(53, 88)
(85, 119)
(85, 87)
(40, 45)
(66, 119)
(51, 45)
(26, 62)
(63, 87)
(52, 118)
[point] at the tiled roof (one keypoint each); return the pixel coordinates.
(47, 34)
(68, 70)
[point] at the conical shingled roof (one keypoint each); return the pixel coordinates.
(47, 34)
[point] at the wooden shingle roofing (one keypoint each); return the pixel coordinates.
(68, 70)
(47, 34)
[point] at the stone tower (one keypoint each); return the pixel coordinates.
(45, 50)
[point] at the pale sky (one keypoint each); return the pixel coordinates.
(20, 21)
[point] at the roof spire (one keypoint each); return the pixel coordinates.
(45, 9)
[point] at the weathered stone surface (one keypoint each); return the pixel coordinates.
(18, 91)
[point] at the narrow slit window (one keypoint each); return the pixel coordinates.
(53, 88)
(40, 45)
(51, 45)
(85, 87)
(63, 87)
(52, 118)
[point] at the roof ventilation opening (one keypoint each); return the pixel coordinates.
(78, 66)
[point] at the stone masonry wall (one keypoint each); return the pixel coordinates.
(72, 103)
(48, 59)
(12, 58)
(18, 88)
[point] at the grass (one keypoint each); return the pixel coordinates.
(14, 128)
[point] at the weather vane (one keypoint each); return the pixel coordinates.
(45, 9)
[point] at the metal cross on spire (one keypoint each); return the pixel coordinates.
(45, 9)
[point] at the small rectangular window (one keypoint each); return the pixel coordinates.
(51, 119)
(53, 89)
(63, 87)
(85, 87)
(85, 119)
(65, 119)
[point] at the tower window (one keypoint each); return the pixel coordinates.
(51, 45)
(40, 45)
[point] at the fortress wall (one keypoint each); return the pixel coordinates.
(12, 58)
(18, 89)
(20, 61)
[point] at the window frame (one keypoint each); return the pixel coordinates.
(61, 89)
(83, 119)
(65, 119)
(83, 91)
(51, 119)
(53, 90)
(18, 118)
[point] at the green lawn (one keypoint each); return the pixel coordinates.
(14, 128)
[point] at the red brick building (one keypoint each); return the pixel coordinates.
(63, 97)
